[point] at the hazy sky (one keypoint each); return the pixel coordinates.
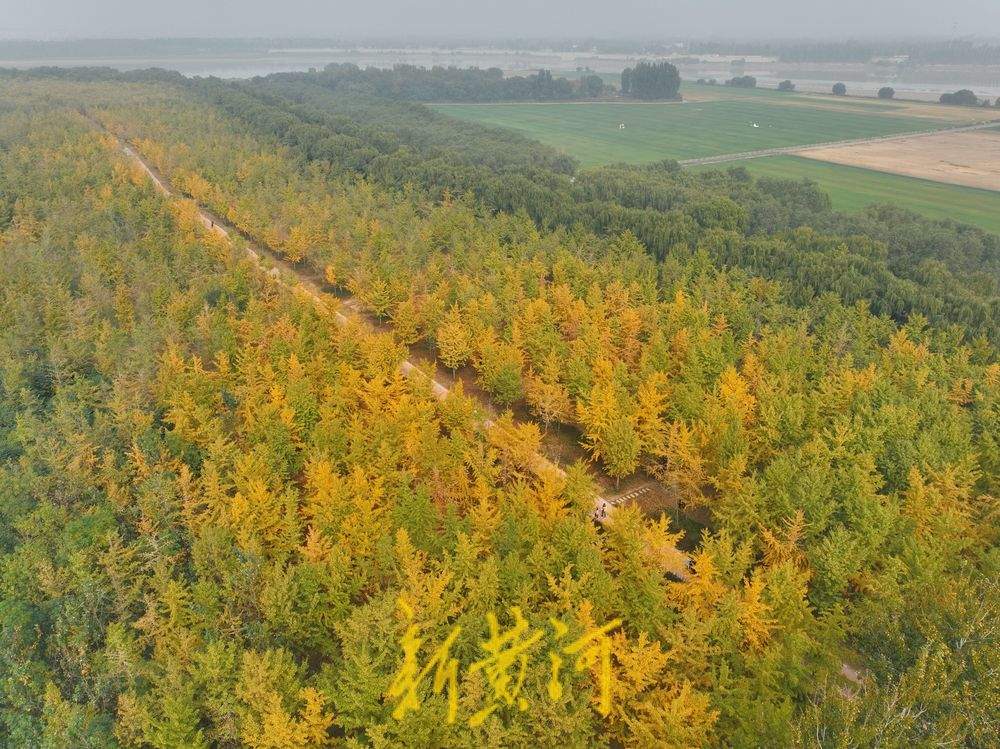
(490, 18)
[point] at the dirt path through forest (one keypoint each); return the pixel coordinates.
(307, 282)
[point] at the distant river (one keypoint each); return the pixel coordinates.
(984, 81)
(291, 60)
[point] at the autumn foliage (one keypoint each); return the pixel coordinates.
(213, 494)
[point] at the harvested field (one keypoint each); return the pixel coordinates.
(971, 159)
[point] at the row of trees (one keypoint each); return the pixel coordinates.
(415, 83)
(964, 97)
(215, 497)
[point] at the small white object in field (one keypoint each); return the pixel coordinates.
(621, 126)
(756, 124)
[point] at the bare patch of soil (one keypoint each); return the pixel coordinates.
(971, 159)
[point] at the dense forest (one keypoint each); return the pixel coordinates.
(225, 516)
(414, 83)
(666, 209)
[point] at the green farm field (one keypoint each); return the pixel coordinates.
(711, 121)
(717, 120)
(852, 188)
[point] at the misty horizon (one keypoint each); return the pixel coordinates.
(502, 40)
(515, 19)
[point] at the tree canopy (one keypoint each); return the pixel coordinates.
(963, 98)
(651, 81)
(230, 519)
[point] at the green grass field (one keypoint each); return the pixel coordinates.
(691, 129)
(718, 120)
(852, 188)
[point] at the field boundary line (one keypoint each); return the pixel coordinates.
(791, 150)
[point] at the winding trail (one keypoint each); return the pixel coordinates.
(785, 150)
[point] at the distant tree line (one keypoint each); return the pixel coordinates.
(414, 83)
(95, 73)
